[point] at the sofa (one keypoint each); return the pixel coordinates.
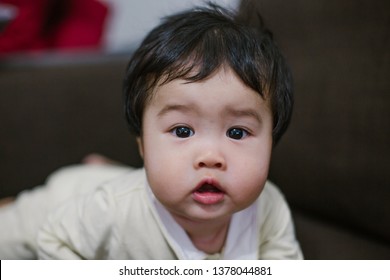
(332, 164)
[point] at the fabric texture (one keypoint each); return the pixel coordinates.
(119, 220)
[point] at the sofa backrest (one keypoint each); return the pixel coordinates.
(334, 161)
(54, 110)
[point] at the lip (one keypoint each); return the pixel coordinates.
(208, 197)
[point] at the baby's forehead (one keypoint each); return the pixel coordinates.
(224, 86)
(192, 74)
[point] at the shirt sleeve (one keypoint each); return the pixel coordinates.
(21, 219)
(277, 233)
(79, 229)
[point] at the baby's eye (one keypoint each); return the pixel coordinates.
(182, 131)
(236, 133)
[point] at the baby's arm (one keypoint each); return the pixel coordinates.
(79, 229)
(21, 219)
(277, 237)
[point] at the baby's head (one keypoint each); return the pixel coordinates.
(207, 97)
(195, 44)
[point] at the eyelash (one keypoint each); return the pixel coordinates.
(185, 132)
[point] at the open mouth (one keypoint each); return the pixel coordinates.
(208, 192)
(208, 188)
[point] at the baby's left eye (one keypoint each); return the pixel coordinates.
(236, 133)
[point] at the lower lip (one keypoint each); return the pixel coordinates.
(208, 198)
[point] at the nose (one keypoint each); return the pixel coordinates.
(210, 159)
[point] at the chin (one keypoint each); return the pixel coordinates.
(207, 214)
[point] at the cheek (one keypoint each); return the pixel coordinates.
(252, 177)
(247, 190)
(160, 157)
(250, 174)
(164, 167)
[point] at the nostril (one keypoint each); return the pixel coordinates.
(205, 164)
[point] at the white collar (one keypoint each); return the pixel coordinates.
(241, 243)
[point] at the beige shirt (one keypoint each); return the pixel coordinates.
(21, 220)
(121, 220)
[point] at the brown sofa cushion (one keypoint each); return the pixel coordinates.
(334, 161)
(54, 111)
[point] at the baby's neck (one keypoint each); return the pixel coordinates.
(208, 237)
(210, 243)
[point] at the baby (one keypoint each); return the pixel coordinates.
(207, 97)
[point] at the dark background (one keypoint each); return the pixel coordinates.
(334, 162)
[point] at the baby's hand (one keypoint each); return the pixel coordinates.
(5, 201)
(98, 159)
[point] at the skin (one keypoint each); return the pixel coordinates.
(6, 201)
(217, 131)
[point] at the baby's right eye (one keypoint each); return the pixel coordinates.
(182, 131)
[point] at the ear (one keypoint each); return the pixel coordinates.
(140, 147)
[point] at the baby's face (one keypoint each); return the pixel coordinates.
(206, 146)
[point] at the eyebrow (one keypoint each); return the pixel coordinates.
(174, 107)
(244, 112)
(230, 111)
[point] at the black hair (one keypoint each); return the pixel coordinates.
(192, 45)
